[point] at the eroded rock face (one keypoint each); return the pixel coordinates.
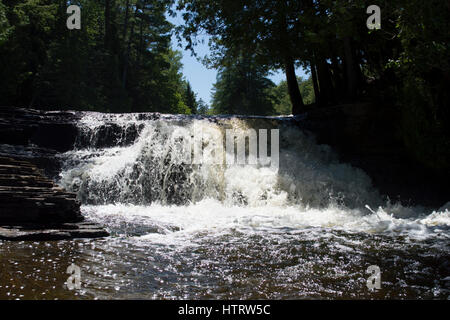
(32, 207)
(37, 136)
(51, 130)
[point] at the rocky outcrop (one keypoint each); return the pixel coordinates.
(41, 137)
(49, 130)
(62, 231)
(32, 207)
(37, 136)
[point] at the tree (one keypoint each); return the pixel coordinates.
(23, 55)
(281, 94)
(242, 87)
(203, 108)
(423, 65)
(120, 61)
(268, 29)
(190, 99)
(5, 28)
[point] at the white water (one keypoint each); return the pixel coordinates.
(144, 183)
(180, 231)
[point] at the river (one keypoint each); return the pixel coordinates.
(309, 227)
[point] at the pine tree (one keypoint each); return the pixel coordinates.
(242, 87)
(190, 98)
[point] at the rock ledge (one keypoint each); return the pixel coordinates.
(32, 207)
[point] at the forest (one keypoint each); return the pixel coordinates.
(122, 59)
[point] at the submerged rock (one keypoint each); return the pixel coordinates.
(52, 232)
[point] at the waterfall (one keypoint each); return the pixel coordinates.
(134, 162)
(227, 208)
(127, 159)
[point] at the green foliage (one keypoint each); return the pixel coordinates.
(236, 24)
(424, 130)
(425, 45)
(405, 64)
(5, 28)
(242, 87)
(120, 61)
(307, 90)
(423, 65)
(203, 108)
(282, 101)
(269, 30)
(190, 98)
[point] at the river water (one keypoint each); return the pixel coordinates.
(309, 227)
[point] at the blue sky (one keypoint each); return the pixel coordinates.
(201, 78)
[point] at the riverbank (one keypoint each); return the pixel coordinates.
(33, 208)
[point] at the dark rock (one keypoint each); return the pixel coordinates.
(57, 136)
(33, 208)
(28, 196)
(46, 159)
(52, 232)
(108, 135)
(51, 130)
(37, 136)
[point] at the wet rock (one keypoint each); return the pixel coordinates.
(37, 136)
(109, 135)
(32, 207)
(63, 231)
(50, 130)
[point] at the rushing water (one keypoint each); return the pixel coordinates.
(307, 229)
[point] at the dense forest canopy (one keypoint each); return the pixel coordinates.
(330, 38)
(404, 64)
(121, 60)
(242, 87)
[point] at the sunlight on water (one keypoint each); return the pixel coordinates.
(309, 229)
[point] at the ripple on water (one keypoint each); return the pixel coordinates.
(310, 262)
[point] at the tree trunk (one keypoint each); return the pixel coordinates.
(125, 25)
(315, 81)
(141, 41)
(294, 91)
(350, 69)
(325, 83)
(124, 36)
(337, 78)
(107, 38)
(127, 53)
